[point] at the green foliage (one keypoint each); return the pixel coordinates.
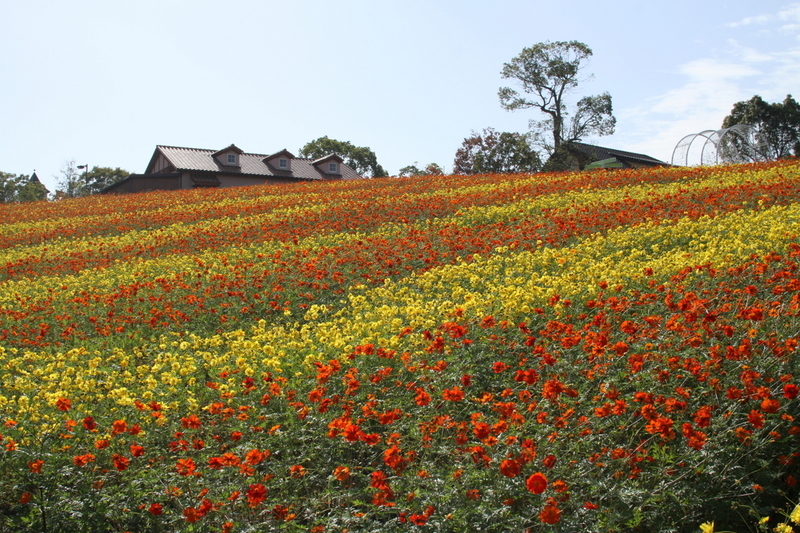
(101, 177)
(75, 182)
(777, 125)
(359, 158)
(433, 169)
(20, 188)
(550, 72)
(493, 152)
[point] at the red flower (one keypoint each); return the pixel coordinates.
(191, 422)
(120, 462)
(756, 419)
(136, 450)
(418, 519)
(549, 461)
(510, 468)
(790, 391)
(537, 483)
(82, 460)
(453, 395)
(192, 515)
(256, 494)
(422, 398)
(63, 404)
(155, 509)
(770, 405)
(89, 423)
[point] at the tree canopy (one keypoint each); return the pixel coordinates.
(432, 169)
(75, 182)
(20, 188)
(360, 158)
(777, 126)
(550, 72)
(493, 151)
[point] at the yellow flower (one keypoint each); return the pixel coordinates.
(707, 527)
(783, 528)
(795, 515)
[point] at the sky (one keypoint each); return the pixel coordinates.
(102, 83)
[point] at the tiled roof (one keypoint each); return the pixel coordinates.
(599, 153)
(201, 160)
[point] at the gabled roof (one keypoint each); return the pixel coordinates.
(202, 160)
(284, 152)
(599, 152)
(329, 157)
(231, 148)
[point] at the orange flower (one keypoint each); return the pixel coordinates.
(453, 395)
(510, 468)
(192, 515)
(422, 398)
(36, 466)
(63, 404)
(770, 405)
(186, 467)
(756, 419)
(82, 460)
(136, 450)
(191, 422)
(120, 462)
(119, 426)
(551, 514)
(297, 471)
(342, 473)
(536, 483)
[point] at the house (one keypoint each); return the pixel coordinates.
(173, 168)
(578, 156)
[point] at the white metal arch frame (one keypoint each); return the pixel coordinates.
(737, 144)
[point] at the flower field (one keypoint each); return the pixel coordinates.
(598, 351)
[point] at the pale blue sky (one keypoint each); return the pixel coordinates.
(103, 82)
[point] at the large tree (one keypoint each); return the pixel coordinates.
(359, 158)
(432, 169)
(550, 71)
(101, 177)
(492, 151)
(777, 126)
(10, 185)
(20, 188)
(81, 181)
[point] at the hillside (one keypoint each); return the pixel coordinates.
(599, 351)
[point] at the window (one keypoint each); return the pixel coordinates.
(283, 163)
(332, 167)
(231, 159)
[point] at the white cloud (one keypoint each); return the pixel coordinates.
(759, 19)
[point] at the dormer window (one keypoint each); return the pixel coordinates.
(283, 163)
(333, 168)
(231, 159)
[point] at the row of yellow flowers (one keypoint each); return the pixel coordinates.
(217, 260)
(506, 285)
